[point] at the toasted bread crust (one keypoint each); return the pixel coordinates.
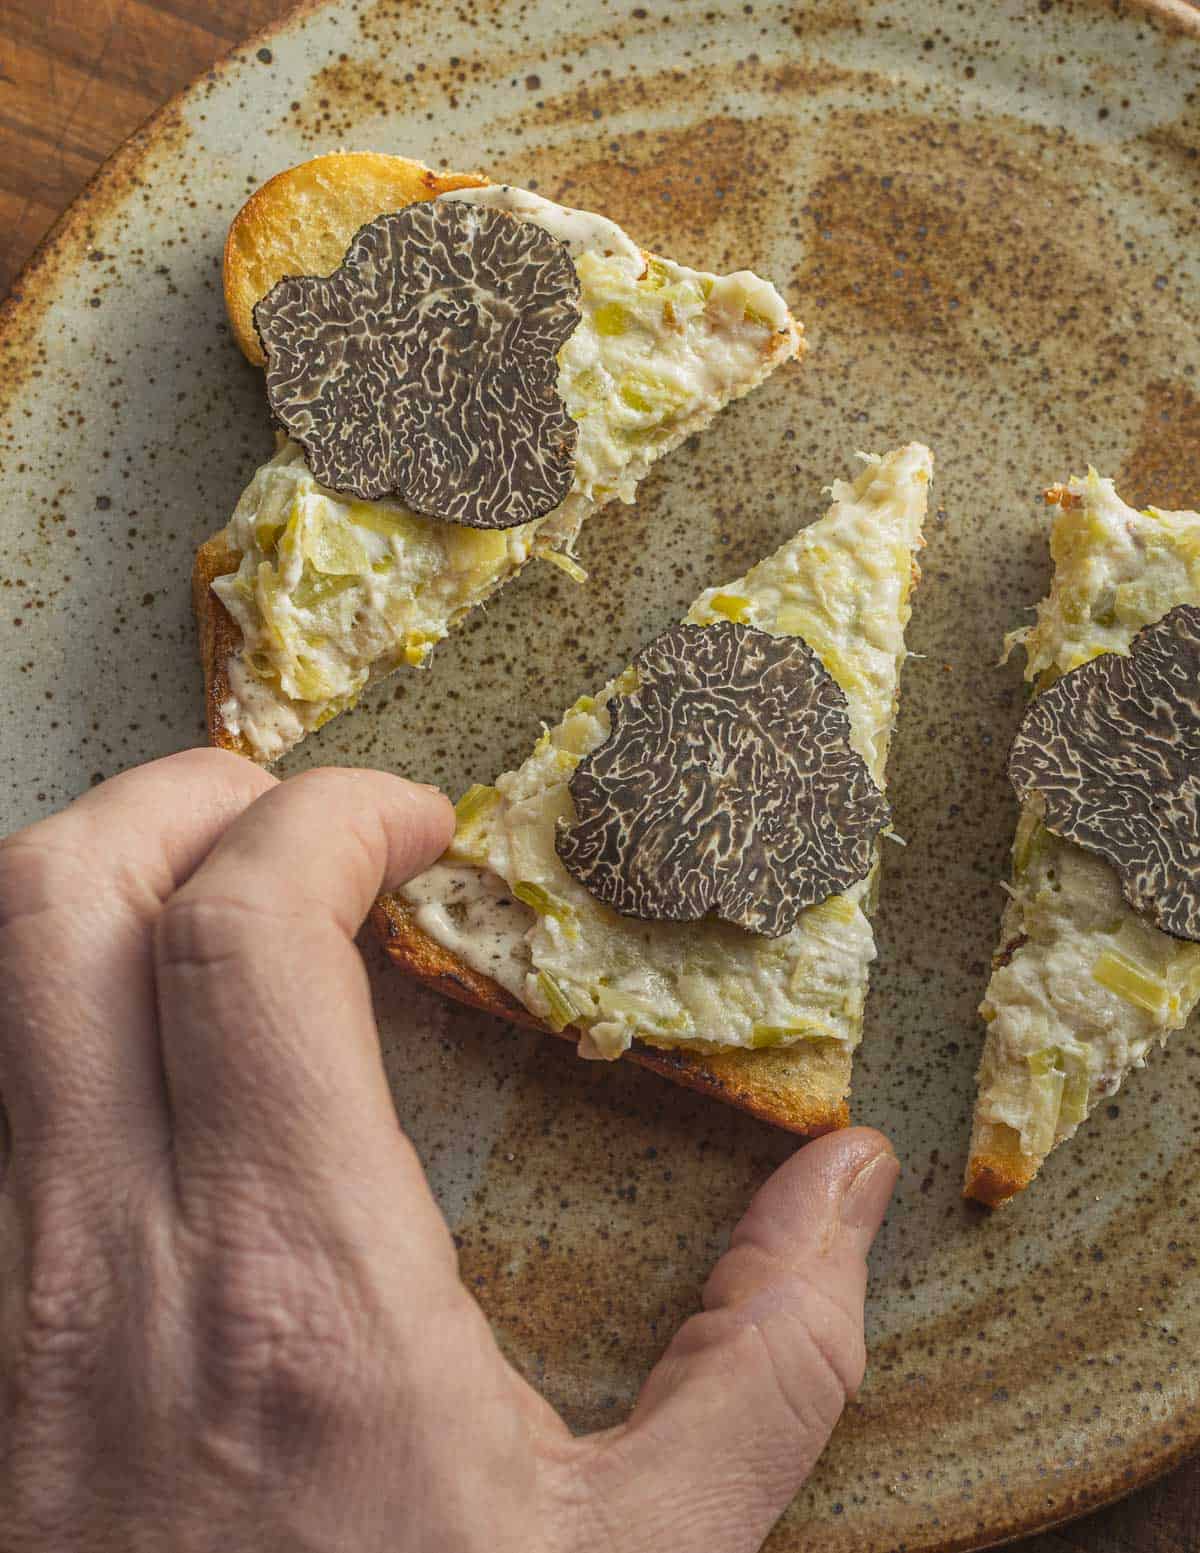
(798, 1088)
(220, 637)
(302, 221)
(997, 1169)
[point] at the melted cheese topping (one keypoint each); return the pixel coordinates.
(1084, 985)
(505, 904)
(332, 592)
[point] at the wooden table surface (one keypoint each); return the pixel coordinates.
(76, 76)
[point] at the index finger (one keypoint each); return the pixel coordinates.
(268, 1035)
(79, 894)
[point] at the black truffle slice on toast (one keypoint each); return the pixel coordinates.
(728, 785)
(1096, 962)
(1110, 757)
(767, 1023)
(424, 369)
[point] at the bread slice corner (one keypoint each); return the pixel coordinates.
(997, 1167)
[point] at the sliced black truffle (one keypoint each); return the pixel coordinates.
(1111, 753)
(727, 785)
(424, 369)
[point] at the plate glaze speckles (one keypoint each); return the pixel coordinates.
(987, 215)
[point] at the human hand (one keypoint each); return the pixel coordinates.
(230, 1314)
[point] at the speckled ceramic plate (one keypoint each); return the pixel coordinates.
(988, 214)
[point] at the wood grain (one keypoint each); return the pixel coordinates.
(76, 77)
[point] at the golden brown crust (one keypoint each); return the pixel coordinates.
(801, 1088)
(220, 637)
(302, 221)
(997, 1168)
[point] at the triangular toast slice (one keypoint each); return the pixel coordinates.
(767, 1024)
(307, 596)
(1082, 985)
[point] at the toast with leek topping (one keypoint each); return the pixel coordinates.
(306, 595)
(768, 1024)
(1083, 986)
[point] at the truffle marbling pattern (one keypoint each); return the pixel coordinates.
(728, 785)
(1112, 752)
(424, 369)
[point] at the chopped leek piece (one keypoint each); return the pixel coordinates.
(836, 909)
(417, 647)
(610, 319)
(308, 683)
(764, 1036)
(1031, 840)
(1075, 1088)
(266, 532)
(390, 522)
(565, 563)
(476, 549)
(1130, 981)
(334, 549)
(562, 1012)
(336, 707)
(477, 800)
(731, 605)
(316, 587)
(1048, 1083)
(651, 394)
(541, 901)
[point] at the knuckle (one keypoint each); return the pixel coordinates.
(66, 1315)
(278, 1320)
(201, 932)
(60, 870)
(30, 873)
(817, 1357)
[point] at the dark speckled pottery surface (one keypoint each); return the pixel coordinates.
(988, 215)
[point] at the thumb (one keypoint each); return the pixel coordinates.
(735, 1414)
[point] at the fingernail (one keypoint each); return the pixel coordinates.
(865, 1200)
